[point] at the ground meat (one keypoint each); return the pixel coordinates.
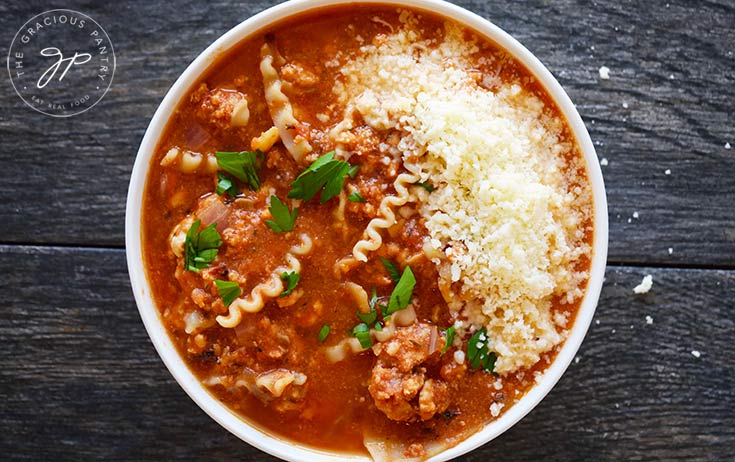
(393, 390)
(201, 298)
(409, 347)
(297, 75)
(219, 106)
(415, 450)
(361, 140)
(399, 384)
(433, 398)
(199, 94)
(274, 343)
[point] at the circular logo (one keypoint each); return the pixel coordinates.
(61, 63)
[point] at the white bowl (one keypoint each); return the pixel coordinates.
(290, 450)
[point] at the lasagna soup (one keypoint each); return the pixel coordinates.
(368, 230)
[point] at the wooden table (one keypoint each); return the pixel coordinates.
(79, 379)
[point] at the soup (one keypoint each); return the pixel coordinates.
(368, 230)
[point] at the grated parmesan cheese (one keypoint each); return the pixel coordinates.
(604, 73)
(505, 213)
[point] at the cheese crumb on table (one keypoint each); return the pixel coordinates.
(635, 215)
(649, 320)
(671, 250)
(603, 162)
(696, 353)
(645, 285)
(667, 171)
(727, 146)
(604, 73)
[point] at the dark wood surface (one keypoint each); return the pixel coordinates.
(79, 379)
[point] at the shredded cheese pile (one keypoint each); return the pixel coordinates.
(505, 212)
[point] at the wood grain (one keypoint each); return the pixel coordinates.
(64, 181)
(81, 381)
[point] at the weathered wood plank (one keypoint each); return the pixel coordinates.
(667, 105)
(80, 379)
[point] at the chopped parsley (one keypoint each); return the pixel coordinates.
(369, 317)
(478, 352)
(225, 184)
(356, 197)
(201, 248)
(373, 303)
(425, 184)
(283, 219)
(401, 296)
(229, 291)
(324, 174)
(373, 299)
(324, 332)
(449, 340)
(242, 165)
(362, 333)
(392, 269)
(291, 279)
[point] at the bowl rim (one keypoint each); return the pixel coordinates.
(248, 431)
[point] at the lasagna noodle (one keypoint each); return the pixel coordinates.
(270, 288)
(386, 218)
(280, 107)
(339, 352)
(189, 161)
(359, 295)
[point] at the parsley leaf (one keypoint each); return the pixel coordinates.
(425, 184)
(326, 174)
(229, 291)
(392, 269)
(242, 165)
(225, 184)
(283, 219)
(352, 172)
(356, 197)
(450, 339)
(323, 332)
(362, 333)
(200, 248)
(401, 296)
(478, 352)
(291, 279)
